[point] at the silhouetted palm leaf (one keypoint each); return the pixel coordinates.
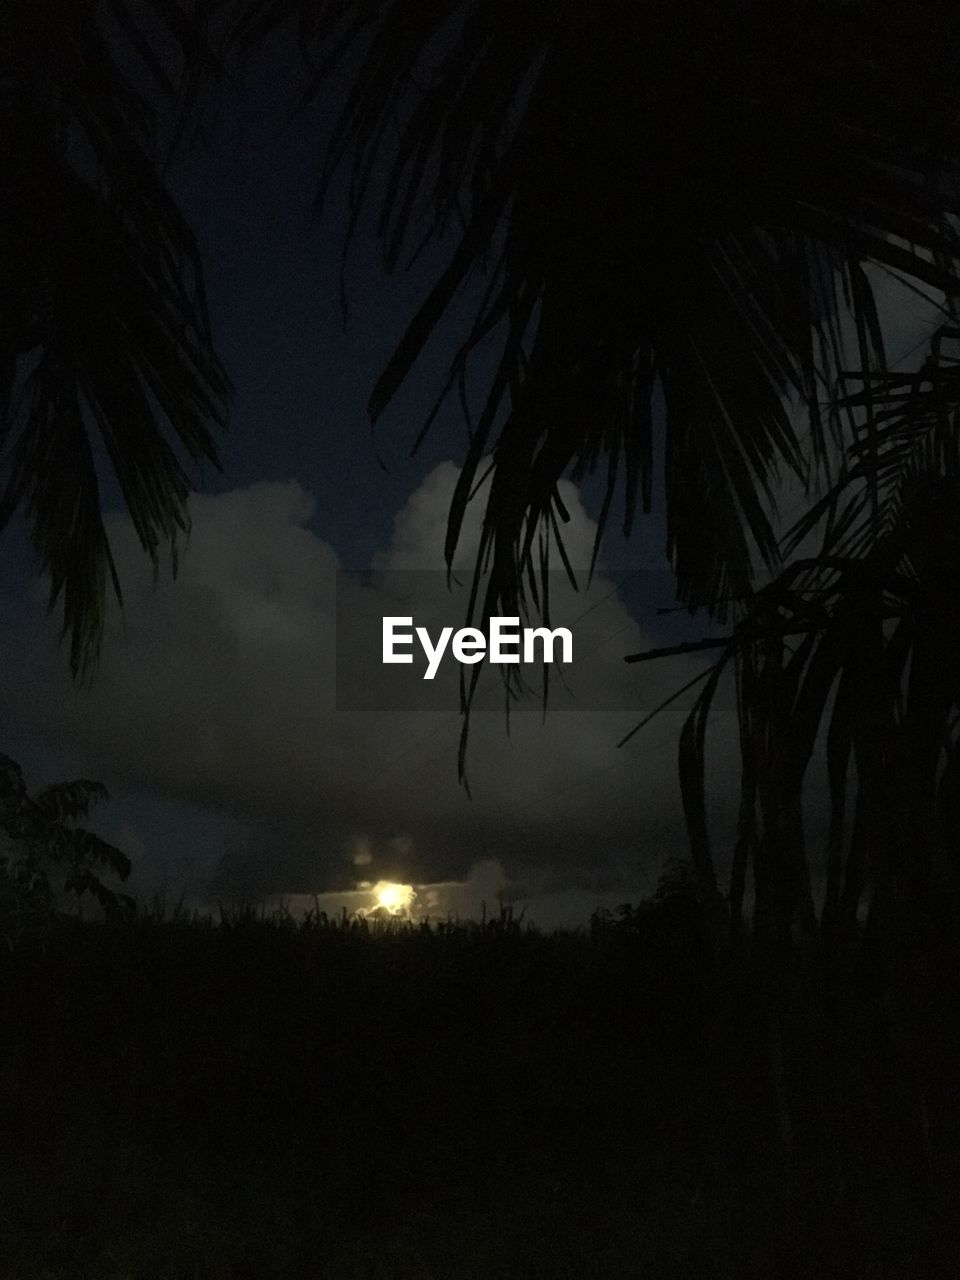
(12, 786)
(105, 350)
(684, 197)
(905, 432)
(89, 850)
(68, 800)
(876, 620)
(39, 834)
(879, 663)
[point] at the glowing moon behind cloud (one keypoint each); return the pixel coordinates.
(393, 898)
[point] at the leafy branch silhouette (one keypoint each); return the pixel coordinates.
(38, 834)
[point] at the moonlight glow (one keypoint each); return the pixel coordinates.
(393, 897)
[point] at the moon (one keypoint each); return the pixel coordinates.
(394, 898)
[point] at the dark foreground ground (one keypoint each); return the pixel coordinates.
(258, 1100)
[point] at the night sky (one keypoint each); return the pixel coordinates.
(212, 716)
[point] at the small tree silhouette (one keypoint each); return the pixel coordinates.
(37, 833)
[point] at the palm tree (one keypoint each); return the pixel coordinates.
(106, 356)
(859, 643)
(37, 832)
(686, 197)
(864, 639)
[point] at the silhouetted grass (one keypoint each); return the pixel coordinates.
(253, 1097)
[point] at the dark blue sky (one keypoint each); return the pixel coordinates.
(302, 378)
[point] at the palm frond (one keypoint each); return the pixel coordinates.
(106, 345)
(677, 201)
(65, 801)
(12, 786)
(42, 835)
(88, 850)
(878, 666)
(904, 435)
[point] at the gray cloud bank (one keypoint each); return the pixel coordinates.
(217, 692)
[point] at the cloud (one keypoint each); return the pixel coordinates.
(217, 691)
(216, 696)
(481, 893)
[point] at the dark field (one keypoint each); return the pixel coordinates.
(259, 1099)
